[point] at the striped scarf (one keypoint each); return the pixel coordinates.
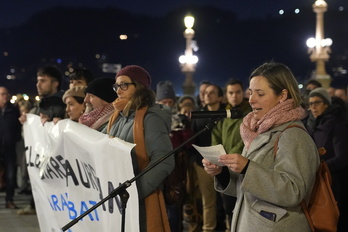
(97, 116)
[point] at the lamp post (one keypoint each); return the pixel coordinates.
(188, 61)
(319, 47)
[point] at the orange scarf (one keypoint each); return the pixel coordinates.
(156, 215)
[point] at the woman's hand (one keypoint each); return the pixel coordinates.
(210, 168)
(44, 118)
(23, 118)
(56, 120)
(235, 162)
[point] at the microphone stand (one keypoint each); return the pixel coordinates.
(122, 188)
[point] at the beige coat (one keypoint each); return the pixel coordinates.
(275, 185)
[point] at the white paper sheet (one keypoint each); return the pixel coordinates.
(211, 153)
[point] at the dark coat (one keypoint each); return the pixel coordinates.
(10, 127)
(52, 106)
(330, 130)
(204, 138)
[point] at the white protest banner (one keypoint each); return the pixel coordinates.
(72, 168)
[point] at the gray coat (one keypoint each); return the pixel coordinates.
(274, 185)
(157, 124)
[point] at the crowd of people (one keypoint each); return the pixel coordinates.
(250, 189)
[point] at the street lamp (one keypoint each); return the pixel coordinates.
(188, 61)
(319, 47)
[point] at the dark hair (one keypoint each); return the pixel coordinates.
(219, 89)
(81, 74)
(279, 77)
(52, 72)
(342, 88)
(313, 82)
(340, 103)
(204, 83)
(181, 99)
(234, 82)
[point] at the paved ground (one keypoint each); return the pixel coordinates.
(11, 222)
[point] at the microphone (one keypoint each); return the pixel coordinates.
(231, 113)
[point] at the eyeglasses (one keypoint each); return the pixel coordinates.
(315, 103)
(123, 86)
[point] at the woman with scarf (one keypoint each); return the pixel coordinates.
(137, 119)
(270, 184)
(100, 95)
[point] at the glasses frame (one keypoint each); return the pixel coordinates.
(315, 103)
(123, 86)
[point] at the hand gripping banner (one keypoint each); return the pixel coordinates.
(73, 167)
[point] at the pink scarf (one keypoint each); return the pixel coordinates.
(280, 114)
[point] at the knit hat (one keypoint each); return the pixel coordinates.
(76, 91)
(102, 88)
(322, 93)
(165, 90)
(136, 73)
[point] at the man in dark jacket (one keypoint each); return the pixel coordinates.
(10, 133)
(51, 106)
(48, 87)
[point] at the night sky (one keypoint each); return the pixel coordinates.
(15, 12)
